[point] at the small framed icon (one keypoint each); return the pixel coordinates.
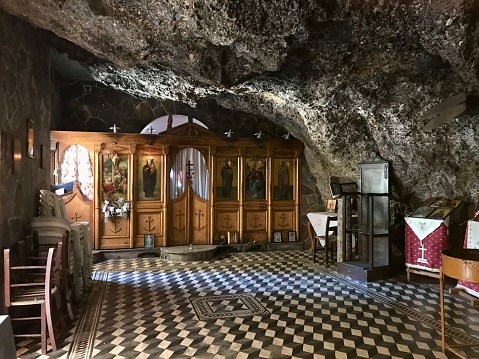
(149, 240)
(277, 237)
(292, 236)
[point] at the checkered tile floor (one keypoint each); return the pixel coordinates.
(258, 305)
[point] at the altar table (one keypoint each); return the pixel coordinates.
(471, 241)
(425, 240)
(318, 221)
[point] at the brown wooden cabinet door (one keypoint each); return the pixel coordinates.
(189, 219)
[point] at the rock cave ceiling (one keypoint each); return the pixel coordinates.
(346, 77)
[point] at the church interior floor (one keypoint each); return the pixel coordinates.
(258, 305)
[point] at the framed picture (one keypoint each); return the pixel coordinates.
(441, 202)
(454, 203)
(440, 213)
(422, 212)
(232, 237)
(255, 180)
(114, 175)
(149, 240)
(30, 138)
(349, 187)
(292, 236)
(149, 178)
(266, 129)
(17, 155)
(227, 178)
(283, 179)
(222, 238)
(331, 205)
(277, 237)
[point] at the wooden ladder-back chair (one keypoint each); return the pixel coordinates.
(24, 289)
(330, 240)
(37, 252)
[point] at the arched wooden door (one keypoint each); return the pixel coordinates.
(189, 210)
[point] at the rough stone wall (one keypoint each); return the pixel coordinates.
(92, 106)
(26, 91)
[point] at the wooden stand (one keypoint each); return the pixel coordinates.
(427, 273)
(460, 264)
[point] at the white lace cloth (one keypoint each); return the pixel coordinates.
(422, 227)
(318, 221)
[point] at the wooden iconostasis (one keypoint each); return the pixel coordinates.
(184, 186)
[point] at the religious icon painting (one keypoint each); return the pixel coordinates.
(440, 213)
(292, 236)
(277, 237)
(115, 175)
(332, 205)
(266, 128)
(227, 178)
(255, 180)
(149, 241)
(148, 178)
(283, 170)
(422, 212)
(349, 187)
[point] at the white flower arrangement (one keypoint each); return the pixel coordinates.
(116, 208)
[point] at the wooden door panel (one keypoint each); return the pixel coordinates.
(150, 223)
(255, 226)
(227, 221)
(283, 220)
(255, 220)
(179, 221)
(115, 233)
(199, 222)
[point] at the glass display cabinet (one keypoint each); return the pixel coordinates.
(366, 245)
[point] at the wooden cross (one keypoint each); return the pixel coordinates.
(189, 171)
(422, 259)
(76, 217)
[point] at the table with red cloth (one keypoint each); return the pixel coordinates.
(471, 241)
(425, 240)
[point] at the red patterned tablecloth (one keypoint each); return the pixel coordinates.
(425, 241)
(471, 241)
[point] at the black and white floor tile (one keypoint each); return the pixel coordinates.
(258, 305)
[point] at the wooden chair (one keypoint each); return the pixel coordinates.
(24, 289)
(330, 240)
(36, 252)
